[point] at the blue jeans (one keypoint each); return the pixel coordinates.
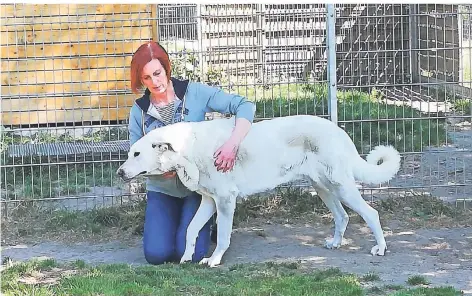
(165, 228)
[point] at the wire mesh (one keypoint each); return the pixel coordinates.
(402, 73)
(404, 79)
(64, 94)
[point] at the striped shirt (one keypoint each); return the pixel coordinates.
(165, 113)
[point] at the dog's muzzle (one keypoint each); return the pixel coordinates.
(121, 173)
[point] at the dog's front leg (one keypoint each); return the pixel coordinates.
(225, 209)
(187, 171)
(205, 211)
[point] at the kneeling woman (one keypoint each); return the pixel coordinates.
(170, 206)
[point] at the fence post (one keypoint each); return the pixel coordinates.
(331, 55)
(413, 36)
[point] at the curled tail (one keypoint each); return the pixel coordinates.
(380, 166)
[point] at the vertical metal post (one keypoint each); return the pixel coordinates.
(413, 32)
(201, 39)
(260, 41)
(331, 55)
(461, 48)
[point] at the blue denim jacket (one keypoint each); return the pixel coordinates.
(197, 99)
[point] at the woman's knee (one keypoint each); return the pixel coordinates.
(157, 256)
(160, 227)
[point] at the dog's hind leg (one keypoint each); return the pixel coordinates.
(351, 196)
(205, 211)
(225, 208)
(341, 218)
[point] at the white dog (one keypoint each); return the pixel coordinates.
(274, 152)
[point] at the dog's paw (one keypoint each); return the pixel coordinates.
(333, 243)
(186, 257)
(378, 250)
(211, 262)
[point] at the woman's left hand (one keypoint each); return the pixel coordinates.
(225, 156)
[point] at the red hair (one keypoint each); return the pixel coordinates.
(145, 53)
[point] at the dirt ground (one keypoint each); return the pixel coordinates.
(443, 256)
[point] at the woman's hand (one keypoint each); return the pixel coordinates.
(225, 156)
(169, 175)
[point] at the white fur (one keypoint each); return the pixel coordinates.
(274, 152)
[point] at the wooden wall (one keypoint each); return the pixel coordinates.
(69, 63)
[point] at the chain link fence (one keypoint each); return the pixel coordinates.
(395, 74)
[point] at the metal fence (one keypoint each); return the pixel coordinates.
(388, 74)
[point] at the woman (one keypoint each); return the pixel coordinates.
(166, 100)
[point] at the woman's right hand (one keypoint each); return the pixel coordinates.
(169, 175)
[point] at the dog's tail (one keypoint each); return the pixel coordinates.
(380, 166)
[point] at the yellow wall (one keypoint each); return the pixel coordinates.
(52, 47)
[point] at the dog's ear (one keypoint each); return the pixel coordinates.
(162, 146)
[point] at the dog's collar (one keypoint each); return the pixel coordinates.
(180, 88)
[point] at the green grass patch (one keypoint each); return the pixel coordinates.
(441, 291)
(36, 278)
(59, 179)
(367, 119)
(51, 176)
(370, 277)
(462, 106)
(416, 280)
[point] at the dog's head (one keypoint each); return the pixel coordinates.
(147, 157)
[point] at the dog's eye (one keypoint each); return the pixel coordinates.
(136, 154)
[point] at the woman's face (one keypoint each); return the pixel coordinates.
(154, 77)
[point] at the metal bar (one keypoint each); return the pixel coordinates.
(331, 54)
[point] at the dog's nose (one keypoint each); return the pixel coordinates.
(120, 172)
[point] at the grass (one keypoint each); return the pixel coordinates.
(370, 277)
(462, 106)
(416, 280)
(30, 222)
(295, 203)
(366, 117)
(51, 278)
(59, 179)
(419, 210)
(50, 176)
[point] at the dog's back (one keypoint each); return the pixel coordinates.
(273, 152)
